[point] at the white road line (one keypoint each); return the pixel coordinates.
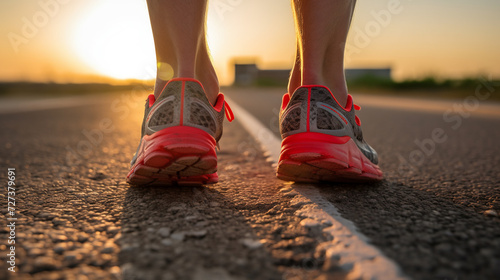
(8, 106)
(348, 248)
(264, 136)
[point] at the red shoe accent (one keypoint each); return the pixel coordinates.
(176, 155)
(151, 99)
(219, 102)
(183, 88)
(309, 110)
(285, 100)
(316, 157)
(335, 111)
(357, 108)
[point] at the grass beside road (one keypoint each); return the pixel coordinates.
(19, 89)
(429, 87)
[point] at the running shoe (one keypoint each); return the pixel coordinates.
(180, 132)
(322, 140)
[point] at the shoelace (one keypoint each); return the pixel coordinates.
(229, 116)
(228, 111)
(357, 108)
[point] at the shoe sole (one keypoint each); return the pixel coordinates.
(179, 155)
(315, 157)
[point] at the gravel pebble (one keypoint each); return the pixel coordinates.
(299, 203)
(46, 215)
(113, 230)
(309, 223)
(191, 218)
(128, 249)
(491, 213)
(44, 264)
(178, 236)
(72, 259)
(108, 249)
(196, 233)
(251, 243)
(214, 204)
(290, 194)
(60, 248)
(202, 224)
(58, 238)
(59, 222)
(164, 231)
(167, 242)
(82, 238)
(35, 252)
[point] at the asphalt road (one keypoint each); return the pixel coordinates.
(434, 214)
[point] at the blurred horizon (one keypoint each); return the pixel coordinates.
(111, 42)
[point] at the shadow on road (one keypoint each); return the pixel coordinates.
(187, 233)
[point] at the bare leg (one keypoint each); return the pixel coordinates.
(322, 27)
(296, 74)
(180, 41)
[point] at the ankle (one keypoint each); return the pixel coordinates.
(295, 79)
(159, 85)
(205, 73)
(208, 78)
(339, 90)
(211, 85)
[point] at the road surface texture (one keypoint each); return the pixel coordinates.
(435, 214)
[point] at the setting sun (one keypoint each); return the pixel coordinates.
(115, 40)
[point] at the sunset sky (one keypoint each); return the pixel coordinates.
(81, 41)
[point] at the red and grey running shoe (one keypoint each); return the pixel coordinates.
(180, 132)
(322, 140)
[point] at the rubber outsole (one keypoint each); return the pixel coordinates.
(315, 157)
(179, 155)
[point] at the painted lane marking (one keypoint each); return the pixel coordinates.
(264, 136)
(347, 247)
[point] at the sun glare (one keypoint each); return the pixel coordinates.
(115, 40)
